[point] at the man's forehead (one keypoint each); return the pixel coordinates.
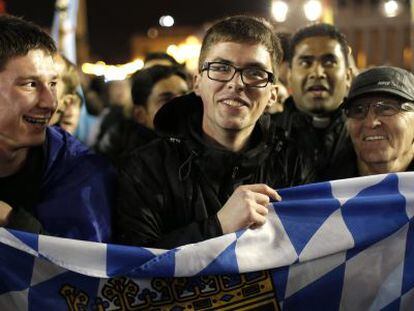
(234, 52)
(376, 96)
(34, 59)
(316, 46)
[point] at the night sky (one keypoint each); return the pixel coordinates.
(111, 23)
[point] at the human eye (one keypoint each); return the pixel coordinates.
(220, 67)
(329, 62)
(255, 73)
(305, 63)
(29, 84)
(53, 84)
(356, 111)
(386, 109)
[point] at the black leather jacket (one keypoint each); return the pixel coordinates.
(172, 189)
(323, 146)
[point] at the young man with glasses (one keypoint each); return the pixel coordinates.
(218, 166)
(380, 122)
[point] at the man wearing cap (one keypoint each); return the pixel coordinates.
(380, 122)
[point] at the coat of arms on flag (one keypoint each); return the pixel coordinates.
(339, 245)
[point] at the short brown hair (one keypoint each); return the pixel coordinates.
(243, 29)
(18, 37)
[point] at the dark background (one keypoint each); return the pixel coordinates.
(111, 23)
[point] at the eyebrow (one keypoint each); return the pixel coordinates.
(54, 77)
(323, 56)
(250, 64)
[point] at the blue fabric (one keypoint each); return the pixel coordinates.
(253, 270)
(77, 190)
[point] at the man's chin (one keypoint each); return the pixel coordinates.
(321, 108)
(34, 140)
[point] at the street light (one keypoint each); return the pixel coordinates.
(166, 21)
(391, 8)
(279, 10)
(313, 10)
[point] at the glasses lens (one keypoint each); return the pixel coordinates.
(386, 109)
(255, 77)
(220, 71)
(357, 111)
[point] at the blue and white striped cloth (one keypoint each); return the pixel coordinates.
(339, 245)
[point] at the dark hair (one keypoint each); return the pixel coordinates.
(18, 37)
(160, 55)
(243, 29)
(144, 80)
(284, 38)
(319, 30)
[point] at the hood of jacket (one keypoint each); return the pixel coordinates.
(182, 118)
(184, 115)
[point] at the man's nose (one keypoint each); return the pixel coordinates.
(318, 71)
(47, 97)
(371, 119)
(236, 81)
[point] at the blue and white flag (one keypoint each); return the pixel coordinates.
(339, 245)
(68, 11)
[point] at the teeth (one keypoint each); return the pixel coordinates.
(37, 121)
(232, 103)
(371, 138)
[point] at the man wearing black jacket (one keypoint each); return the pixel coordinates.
(319, 77)
(216, 169)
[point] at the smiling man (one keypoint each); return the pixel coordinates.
(380, 121)
(218, 166)
(49, 182)
(319, 77)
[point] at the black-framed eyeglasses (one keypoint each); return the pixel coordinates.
(359, 111)
(251, 76)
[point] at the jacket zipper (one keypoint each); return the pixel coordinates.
(235, 170)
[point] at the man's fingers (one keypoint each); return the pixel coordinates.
(259, 221)
(261, 199)
(263, 189)
(262, 210)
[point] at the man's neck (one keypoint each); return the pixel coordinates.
(11, 161)
(235, 141)
(383, 167)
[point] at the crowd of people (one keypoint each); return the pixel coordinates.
(175, 159)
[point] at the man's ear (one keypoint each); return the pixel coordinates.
(289, 78)
(348, 78)
(196, 83)
(139, 114)
(274, 89)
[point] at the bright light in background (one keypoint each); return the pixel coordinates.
(166, 21)
(113, 72)
(187, 52)
(391, 8)
(279, 10)
(313, 10)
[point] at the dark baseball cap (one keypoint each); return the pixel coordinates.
(383, 79)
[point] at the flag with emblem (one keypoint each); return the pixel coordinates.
(339, 245)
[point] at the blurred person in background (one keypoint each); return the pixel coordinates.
(159, 58)
(151, 89)
(69, 101)
(319, 77)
